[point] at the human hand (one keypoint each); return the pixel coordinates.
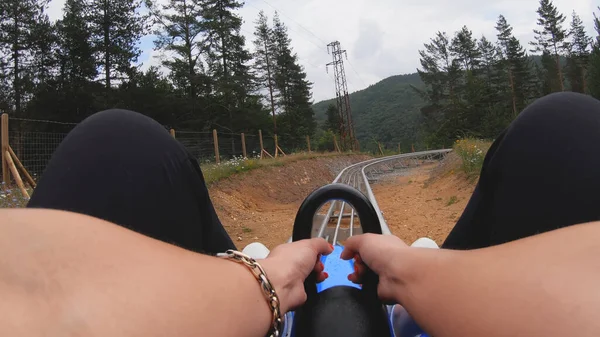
(378, 252)
(288, 265)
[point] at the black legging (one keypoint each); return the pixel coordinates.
(124, 167)
(542, 173)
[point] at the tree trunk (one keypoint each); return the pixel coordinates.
(558, 69)
(106, 45)
(583, 79)
(225, 74)
(513, 94)
(191, 70)
(270, 83)
(16, 65)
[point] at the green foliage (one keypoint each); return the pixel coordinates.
(389, 110)
(550, 40)
(472, 154)
(332, 123)
(213, 172)
(116, 26)
(326, 141)
(297, 118)
(12, 198)
(578, 58)
(453, 200)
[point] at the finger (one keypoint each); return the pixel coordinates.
(359, 271)
(355, 278)
(352, 247)
(320, 246)
(322, 277)
(319, 267)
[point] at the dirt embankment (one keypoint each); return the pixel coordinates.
(261, 205)
(422, 205)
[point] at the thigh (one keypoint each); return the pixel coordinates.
(541, 174)
(125, 168)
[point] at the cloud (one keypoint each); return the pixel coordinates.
(383, 37)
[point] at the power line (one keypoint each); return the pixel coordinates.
(294, 30)
(354, 70)
(298, 23)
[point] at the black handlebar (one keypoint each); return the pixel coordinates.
(369, 222)
(340, 311)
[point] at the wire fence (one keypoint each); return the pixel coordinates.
(34, 142)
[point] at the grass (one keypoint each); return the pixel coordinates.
(472, 154)
(12, 197)
(453, 200)
(215, 172)
(247, 230)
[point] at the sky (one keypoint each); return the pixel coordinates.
(382, 37)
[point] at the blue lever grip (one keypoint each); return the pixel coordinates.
(337, 269)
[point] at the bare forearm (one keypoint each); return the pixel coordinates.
(77, 275)
(540, 286)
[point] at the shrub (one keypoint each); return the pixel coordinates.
(472, 153)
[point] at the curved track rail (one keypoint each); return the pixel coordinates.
(340, 220)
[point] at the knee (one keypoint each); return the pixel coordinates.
(562, 107)
(122, 134)
(119, 120)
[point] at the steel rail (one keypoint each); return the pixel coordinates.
(357, 176)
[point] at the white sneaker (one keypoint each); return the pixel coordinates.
(256, 250)
(425, 243)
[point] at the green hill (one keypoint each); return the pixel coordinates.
(388, 112)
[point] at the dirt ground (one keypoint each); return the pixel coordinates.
(261, 205)
(420, 205)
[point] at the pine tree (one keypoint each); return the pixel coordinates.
(516, 66)
(333, 119)
(551, 40)
(179, 34)
(593, 74)
(17, 19)
(228, 63)
(76, 55)
(43, 47)
(464, 48)
(283, 61)
(297, 115)
(265, 61)
(75, 86)
(441, 74)
(577, 62)
(116, 27)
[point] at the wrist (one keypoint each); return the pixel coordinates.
(263, 287)
(414, 268)
(279, 283)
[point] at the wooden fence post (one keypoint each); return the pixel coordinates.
(216, 141)
(413, 147)
(244, 146)
(263, 152)
(335, 144)
(4, 130)
(262, 145)
(21, 167)
(399, 149)
(172, 131)
(16, 174)
(380, 149)
(308, 143)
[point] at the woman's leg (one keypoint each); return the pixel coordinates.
(124, 167)
(541, 174)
